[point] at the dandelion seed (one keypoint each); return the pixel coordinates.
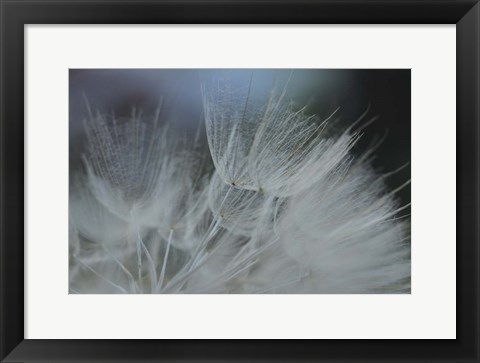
(269, 147)
(286, 207)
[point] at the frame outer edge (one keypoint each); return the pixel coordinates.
(468, 187)
(11, 178)
(11, 108)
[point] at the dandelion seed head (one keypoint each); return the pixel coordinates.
(279, 205)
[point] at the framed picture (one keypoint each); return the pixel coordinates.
(239, 181)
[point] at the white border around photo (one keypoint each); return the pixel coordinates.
(429, 312)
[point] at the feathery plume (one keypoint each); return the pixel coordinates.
(282, 206)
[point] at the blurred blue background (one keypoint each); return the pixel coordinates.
(386, 91)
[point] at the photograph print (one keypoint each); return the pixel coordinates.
(239, 181)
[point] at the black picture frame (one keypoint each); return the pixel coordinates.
(15, 14)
